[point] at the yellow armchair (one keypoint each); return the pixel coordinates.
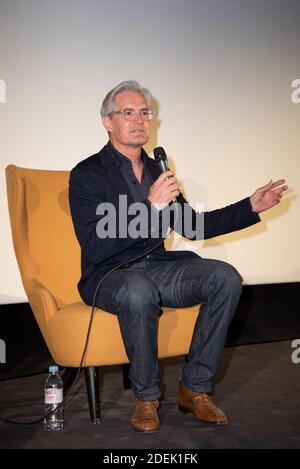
(48, 256)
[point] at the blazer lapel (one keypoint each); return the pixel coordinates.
(114, 175)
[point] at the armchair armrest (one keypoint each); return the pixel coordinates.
(41, 301)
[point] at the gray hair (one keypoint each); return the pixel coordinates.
(108, 105)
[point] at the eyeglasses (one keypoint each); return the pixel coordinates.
(129, 114)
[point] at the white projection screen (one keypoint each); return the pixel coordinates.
(226, 78)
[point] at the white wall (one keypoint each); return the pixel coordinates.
(221, 71)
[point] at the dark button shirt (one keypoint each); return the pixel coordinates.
(139, 190)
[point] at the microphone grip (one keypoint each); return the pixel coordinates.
(174, 198)
(162, 162)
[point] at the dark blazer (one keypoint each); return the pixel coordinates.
(98, 179)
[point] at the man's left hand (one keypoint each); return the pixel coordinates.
(267, 196)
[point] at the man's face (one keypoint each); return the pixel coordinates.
(124, 133)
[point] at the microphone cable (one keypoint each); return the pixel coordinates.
(65, 399)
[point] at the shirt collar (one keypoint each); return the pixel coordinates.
(121, 159)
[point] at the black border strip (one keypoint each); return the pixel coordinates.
(266, 313)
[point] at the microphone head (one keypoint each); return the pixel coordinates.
(159, 153)
(161, 158)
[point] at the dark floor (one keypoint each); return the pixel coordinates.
(258, 387)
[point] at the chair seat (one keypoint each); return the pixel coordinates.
(68, 328)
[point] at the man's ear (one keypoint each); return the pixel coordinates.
(106, 121)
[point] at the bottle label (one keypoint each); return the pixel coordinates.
(53, 396)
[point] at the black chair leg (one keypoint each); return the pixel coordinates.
(126, 380)
(92, 386)
(68, 377)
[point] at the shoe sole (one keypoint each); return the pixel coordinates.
(145, 431)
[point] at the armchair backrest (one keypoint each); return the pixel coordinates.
(45, 244)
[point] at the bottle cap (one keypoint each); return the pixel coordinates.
(53, 369)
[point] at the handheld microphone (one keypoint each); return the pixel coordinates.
(162, 161)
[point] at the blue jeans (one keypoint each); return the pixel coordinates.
(136, 294)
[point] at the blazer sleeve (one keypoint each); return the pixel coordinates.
(205, 225)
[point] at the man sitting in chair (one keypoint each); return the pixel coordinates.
(122, 174)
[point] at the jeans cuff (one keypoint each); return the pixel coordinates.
(205, 387)
(151, 395)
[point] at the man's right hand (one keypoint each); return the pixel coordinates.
(163, 190)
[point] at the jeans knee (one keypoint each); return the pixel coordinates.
(228, 278)
(139, 294)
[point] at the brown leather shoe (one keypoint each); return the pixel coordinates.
(145, 417)
(201, 405)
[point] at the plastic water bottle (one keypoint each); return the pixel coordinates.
(53, 397)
